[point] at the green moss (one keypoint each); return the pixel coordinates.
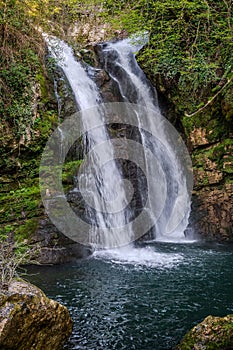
(69, 170)
(205, 181)
(40, 78)
(88, 56)
(45, 122)
(21, 209)
(212, 334)
(20, 203)
(229, 168)
(216, 130)
(6, 230)
(220, 154)
(26, 230)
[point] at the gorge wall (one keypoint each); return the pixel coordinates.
(209, 138)
(32, 113)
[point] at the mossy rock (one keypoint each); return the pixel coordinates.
(29, 320)
(88, 56)
(20, 203)
(211, 334)
(70, 169)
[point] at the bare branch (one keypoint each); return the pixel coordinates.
(211, 100)
(13, 255)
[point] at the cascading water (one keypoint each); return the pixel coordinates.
(120, 63)
(103, 187)
(146, 297)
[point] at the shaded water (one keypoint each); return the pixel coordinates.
(146, 301)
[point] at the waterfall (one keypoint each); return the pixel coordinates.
(101, 179)
(120, 63)
(101, 186)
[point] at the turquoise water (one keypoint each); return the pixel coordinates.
(142, 299)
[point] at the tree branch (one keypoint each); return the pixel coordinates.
(211, 100)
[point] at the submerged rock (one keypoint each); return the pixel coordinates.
(29, 320)
(211, 334)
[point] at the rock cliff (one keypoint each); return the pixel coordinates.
(208, 134)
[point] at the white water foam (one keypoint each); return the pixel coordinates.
(184, 240)
(140, 257)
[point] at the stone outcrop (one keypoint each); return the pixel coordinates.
(212, 202)
(86, 33)
(212, 214)
(55, 248)
(212, 333)
(31, 321)
(22, 214)
(208, 137)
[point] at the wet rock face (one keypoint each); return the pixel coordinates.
(209, 138)
(212, 202)
(212, 214)
(55, 248)
(29, 320)
(65, 100)
(212, 333)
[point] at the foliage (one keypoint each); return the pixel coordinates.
(190, 41)
(13, 255)
(27, 113)
(22, 50)
(20, 203)
(70, 170)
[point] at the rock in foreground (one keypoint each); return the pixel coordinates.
(211, 334)
(31, 321)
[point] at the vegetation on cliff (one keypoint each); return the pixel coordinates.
(27, 114)
(188, 57)
(190, 45)
(28, 108)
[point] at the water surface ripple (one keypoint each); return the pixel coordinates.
(145, 302)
